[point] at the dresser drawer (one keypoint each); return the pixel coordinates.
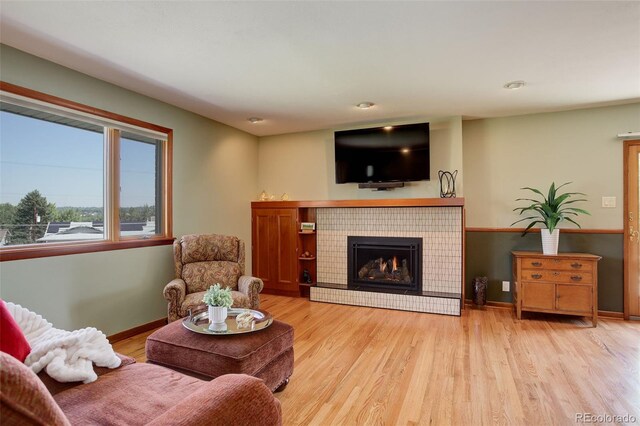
(558, 264)
(570, 277)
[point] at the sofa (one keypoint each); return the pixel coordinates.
(203, 260)
(133, 394)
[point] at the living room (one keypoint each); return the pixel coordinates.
(219, 169)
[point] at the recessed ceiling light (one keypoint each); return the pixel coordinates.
(388, 127)
(255, 119)
(512, 85)
(365, 105)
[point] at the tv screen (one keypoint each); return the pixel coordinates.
(383, 154)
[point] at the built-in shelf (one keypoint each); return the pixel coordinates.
(307, 258)
(307, 233)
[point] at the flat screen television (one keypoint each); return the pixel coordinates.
(383, 154)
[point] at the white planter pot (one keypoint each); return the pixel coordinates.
(217, 314)
(550, 241)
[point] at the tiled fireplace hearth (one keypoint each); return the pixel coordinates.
(439, 228)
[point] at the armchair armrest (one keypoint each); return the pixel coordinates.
(174, 293)
(251, 286)
(232, 399)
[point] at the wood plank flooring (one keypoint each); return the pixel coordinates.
(356, 365)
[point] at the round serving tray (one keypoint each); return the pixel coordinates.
(199, 322)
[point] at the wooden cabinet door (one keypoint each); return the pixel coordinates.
(286, 234)
(574, 298)
(274, 260)
(538, 295)
(263, 247)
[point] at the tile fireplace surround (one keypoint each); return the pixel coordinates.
(440, 228)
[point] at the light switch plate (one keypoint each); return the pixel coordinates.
(609, 202)
(505, 285)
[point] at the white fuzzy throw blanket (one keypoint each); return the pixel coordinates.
(66, 356)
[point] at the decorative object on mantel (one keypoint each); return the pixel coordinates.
(549, 212)
(264, 196)
(480, 291)
(447, 183)
(218, 300)
(284, 197)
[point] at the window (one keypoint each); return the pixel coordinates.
(76, 179)
(140, 185)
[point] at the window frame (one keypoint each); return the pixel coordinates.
(112, 239)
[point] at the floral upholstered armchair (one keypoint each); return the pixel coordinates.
(204, 260)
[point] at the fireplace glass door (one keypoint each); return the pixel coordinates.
(385, 263)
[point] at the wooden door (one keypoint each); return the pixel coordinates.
(632, 230)
(286, 234)
(574, 298)
(538, 296)
(274, 259)
(263, 246)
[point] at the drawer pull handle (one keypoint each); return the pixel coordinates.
(555, 274)
(576, 278)
(536, 263)
(536, 276)
(576, 265)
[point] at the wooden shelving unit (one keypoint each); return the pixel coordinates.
(278, 241)
(306, 243)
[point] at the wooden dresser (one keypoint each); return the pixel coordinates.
(566, 283)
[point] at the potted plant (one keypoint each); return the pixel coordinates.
(218, 300)
(549, 212)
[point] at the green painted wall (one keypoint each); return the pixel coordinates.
(502, 155)
(489, 254)
(215, 178)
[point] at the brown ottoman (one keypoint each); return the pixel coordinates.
(266, 354)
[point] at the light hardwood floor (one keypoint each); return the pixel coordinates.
(356, 365)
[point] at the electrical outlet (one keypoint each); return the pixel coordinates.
(609, 202)
(505, 285)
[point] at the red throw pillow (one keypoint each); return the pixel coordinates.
(12, 340)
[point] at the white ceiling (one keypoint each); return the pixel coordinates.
(304, 65)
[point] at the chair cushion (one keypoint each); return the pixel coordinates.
(24, 400)
(132, 395)
(12, 339)
(54, 387)
(193, 301)
(199, 276)
(203, 248)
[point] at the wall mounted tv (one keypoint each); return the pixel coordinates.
(383, 157)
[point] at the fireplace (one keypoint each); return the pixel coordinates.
(391, 264)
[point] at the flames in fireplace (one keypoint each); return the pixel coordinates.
(385, 270)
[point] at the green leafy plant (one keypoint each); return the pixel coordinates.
(552, 209)
(218, 296)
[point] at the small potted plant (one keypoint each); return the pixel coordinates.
(218, 300)
(549, 212)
